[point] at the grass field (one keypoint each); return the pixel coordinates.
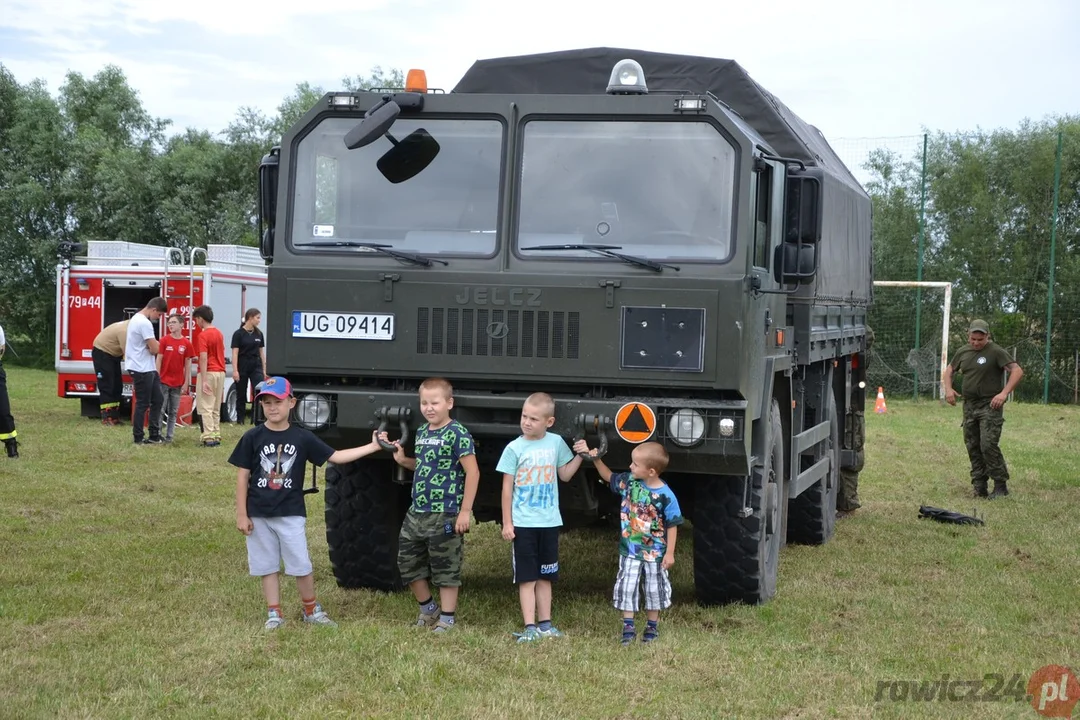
(124, 593)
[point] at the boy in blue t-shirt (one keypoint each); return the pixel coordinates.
(445, 478)
(650, 517)
(530, 507)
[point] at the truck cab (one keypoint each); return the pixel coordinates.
(605, 226)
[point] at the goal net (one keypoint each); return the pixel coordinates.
(910, 321)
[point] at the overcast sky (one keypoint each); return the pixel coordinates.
(855, 69)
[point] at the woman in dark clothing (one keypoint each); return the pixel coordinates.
(248, 360)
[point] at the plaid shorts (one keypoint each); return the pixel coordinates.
(657, 585)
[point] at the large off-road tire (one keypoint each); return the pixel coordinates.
(812, 515)
(736, 558)
(364, 511)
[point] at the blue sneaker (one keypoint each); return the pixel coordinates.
(319, 617)
(552, 632)
(273, 620)
(530, 634)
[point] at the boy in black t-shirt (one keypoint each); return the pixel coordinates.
(270, 508)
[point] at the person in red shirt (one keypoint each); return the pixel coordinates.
(174, 367)
(211, 375)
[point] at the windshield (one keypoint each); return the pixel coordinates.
(661, 190)
(450, 208)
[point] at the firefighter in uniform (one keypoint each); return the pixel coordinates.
(7, 422)
(107, 353)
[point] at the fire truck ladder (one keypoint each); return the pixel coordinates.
(191, 286)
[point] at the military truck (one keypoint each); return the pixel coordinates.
(653, 239)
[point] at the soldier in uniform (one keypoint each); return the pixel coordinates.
(981, 363)
(847, 498)
(7, 422)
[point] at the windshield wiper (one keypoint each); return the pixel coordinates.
(607, 250)
(405, 257)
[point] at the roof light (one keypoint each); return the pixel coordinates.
(416, 81)
(690, 104)
(627, 78)
(343, 100)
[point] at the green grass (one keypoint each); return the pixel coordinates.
(124, 593)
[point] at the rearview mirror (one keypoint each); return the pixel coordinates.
(374, 125)
(268, 185)
(795, 263)
(802, 212)
(409, 156)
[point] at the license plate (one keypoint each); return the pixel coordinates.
(129, 389)
(343, 326)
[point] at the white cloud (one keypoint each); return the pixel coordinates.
(854, 69)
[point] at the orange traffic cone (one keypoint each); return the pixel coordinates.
(879, 406)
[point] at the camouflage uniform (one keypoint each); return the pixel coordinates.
(847, 498)
(982, 373)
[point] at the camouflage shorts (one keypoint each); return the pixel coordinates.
(428, 547)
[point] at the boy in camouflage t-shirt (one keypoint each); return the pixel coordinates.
(445, 479)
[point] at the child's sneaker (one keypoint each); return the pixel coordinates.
(319, 617)
(441, 626)
(273, 620)
(649, 635)
(425, 620)
(552, 632)
(628, 636)
(530, 634)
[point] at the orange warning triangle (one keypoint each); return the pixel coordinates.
(635, 422)
(879, 406)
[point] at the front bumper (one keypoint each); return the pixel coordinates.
(494, 418)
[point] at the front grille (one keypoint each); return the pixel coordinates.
(498, 333)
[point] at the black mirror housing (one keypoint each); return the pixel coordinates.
(374, 125)
(803, 206)
(795, 263)
(409, 156)
(268, 186)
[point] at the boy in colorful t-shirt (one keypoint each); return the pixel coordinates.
(531, 464)
(445, 479)
(174, 367)
(650, 517)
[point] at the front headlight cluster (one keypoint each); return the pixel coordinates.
(686, 427)
(313, 411)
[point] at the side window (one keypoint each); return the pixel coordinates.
(762, 216)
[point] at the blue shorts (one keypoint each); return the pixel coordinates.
(536, 554)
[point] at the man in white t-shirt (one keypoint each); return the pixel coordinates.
(140, 351)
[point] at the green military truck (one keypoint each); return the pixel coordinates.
(653, 239)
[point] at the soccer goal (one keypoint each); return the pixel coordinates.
(910, 321)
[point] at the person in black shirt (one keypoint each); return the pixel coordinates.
(248, 360)
(270, 460)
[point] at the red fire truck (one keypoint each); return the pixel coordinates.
(115, 279)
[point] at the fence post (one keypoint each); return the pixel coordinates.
(1053, 248)
(918, 290)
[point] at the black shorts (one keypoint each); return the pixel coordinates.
(536, 554)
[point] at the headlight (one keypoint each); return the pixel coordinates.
(686, 427)
(313, 411)
(727, 427)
